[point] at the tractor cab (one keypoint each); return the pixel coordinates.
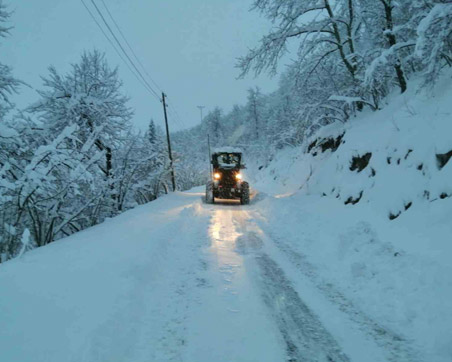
(226, 160)
(226, 179)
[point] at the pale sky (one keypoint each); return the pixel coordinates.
(189, 47)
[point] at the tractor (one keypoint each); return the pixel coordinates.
(226, 179)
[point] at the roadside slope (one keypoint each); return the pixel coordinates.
(363, 209)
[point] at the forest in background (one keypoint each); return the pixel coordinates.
(72, 158)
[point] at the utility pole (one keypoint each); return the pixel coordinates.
(210, 157)
(201, 108)
(173, 179)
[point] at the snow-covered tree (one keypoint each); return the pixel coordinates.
(434, 39)
(138, 166)
(60, 172)
(8, 84)
(319, 26)
(255, 109)
(88, 96)
(152, 132)
(213, 120)
(405, 37)
(11, 149)
(385, 23)
(152, 135)
(152, 173)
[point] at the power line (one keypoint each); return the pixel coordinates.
(137, 73)
(114, 47)
(130, 47)
(175, 115)
(105, 34)
(173, 108)
(123, 50)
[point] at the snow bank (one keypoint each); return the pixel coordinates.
(368, 205)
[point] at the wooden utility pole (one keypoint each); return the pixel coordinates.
(173, 179)
(201, 108)
(210, 158)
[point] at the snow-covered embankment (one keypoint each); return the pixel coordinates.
(368, 204)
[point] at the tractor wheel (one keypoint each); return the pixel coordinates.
(245, 196)
(209, 193)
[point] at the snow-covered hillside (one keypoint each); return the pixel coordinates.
(395, 158)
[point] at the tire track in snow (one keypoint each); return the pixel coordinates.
(397, 347)
(231, 322)
(305, 337)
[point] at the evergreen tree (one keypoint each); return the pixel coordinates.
(152, 133)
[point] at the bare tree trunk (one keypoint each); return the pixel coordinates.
(393, 41)
(108, 171)
(350, 67)
(256, 119)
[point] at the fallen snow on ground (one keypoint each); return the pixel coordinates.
(173, 280)
(114, 292)
(179, 280)
(162, 282)
(399, 276)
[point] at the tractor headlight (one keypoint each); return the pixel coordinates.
(217, 175)
(238, 176)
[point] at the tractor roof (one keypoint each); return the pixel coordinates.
(227, 150)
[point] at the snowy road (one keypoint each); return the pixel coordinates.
(241, 246)
(179, 280)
